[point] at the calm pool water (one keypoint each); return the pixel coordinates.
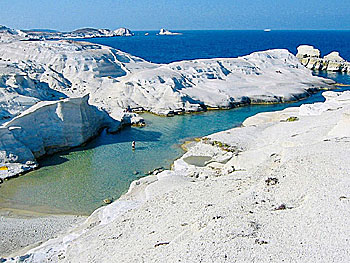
(77, 181)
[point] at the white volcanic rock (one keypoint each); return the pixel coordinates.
(115, 79)
(334, 56)
(8, 34)
(34, 71)
(92, 32)
(15, 157)
(335, 62)
(307, 51)
(310, 58)
(123, 32)
(5, 30)
(261, 77)
(48, 127)
(60, 124)
(165, 32)
(284, 196)
(79, 33)
(20, 88)
(48, 70)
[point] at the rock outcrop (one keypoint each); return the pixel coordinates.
(6, 33)
(92, 33)
(123, 32)
(165, 32)
(334, 56)
(275, 189)
(35, 71)
(305, 51)
(48, 127)
(116, 80)
(310, 57)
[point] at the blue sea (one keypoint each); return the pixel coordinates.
(215, 44)
(76, 182)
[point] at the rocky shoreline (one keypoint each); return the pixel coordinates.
(224, 192)
(46, 84)
(62, 125)
(273, 189)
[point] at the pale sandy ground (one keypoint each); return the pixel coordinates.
(19, 229)
(288, 199)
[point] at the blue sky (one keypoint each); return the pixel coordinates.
(176, 14)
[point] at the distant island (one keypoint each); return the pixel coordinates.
(48, 34)
(165, 32)
(42, 34)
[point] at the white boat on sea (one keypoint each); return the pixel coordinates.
(267, 30)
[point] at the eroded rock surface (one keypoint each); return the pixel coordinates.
(311, 58)
(48, 127)
(272, 190)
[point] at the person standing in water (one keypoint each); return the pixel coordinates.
(133, 145)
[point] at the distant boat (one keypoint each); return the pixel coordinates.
(146, 34)
(267, 29)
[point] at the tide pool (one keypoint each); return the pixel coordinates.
(76, 182)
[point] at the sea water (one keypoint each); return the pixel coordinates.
(76, 181)
(215, 44)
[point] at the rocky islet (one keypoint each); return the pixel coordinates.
(311, 58)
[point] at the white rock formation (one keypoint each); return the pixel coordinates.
(334, 56)
(48, 127)
(8, 33)
(115, 79)
(284, 196)
(34, 71)
(92, 33)
(310, 58)
(307, 51)
(165, 32)
(48, 70)
(122, 32)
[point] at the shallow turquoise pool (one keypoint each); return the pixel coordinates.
(77, 181)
